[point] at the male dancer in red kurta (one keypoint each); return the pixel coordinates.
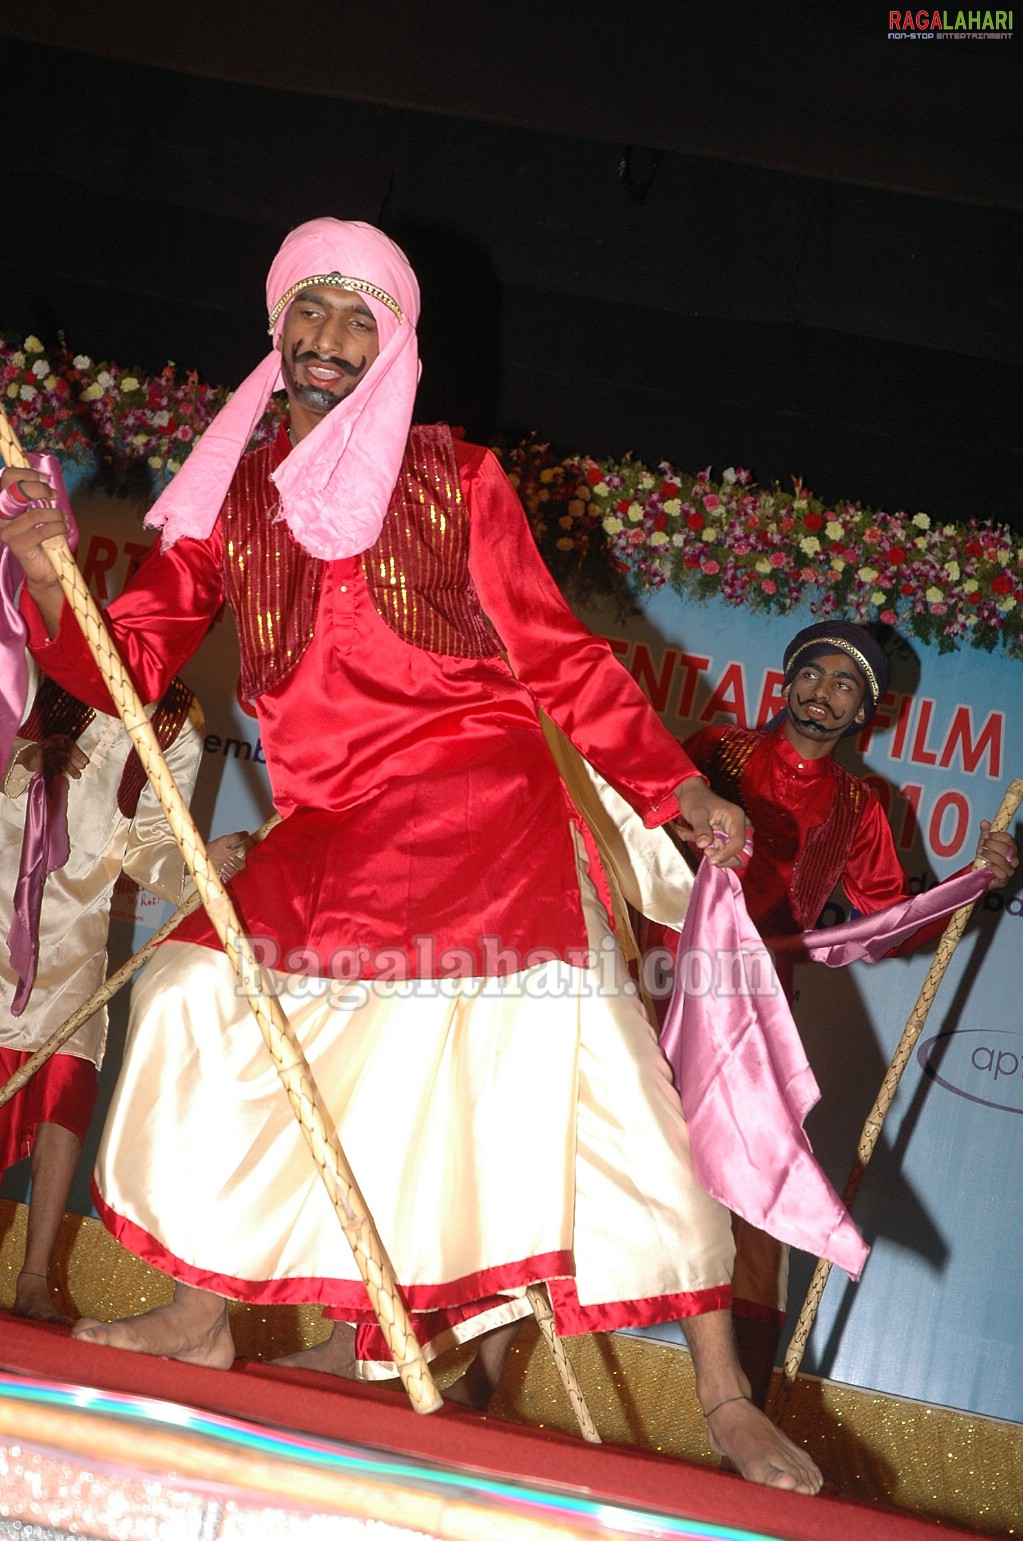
(817, 827)
(430, 907)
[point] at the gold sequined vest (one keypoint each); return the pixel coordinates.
(417, 573)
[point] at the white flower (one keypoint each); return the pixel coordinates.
(933, 596)
(678, 539)
(952, 568)
(866, 574)
(601, 490)
(921, 521)
(709, 533)
(810, 544)
(728, 476)
(1007, 604)
(672, 506)
(833, 530)
(635, 513)
(838, 564)
(1003, 556)
(92, 392)
(41, 367)
(658, 538)
(970, 586)
(799, 504)
(82, 361)
(920, 542)
(18, 359)
(646, 481)
(33, 345)
(161, 418)
(27, 392)
(878, 597)
(762, 565)
(613, 525)
(129, 383)
(104, 379)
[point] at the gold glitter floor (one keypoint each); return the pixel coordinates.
(933, 1462)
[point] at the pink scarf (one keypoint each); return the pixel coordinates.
(744, 1079)
(739, 1063)
(44, 848)
(336, 484)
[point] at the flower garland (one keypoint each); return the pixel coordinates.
(602, 525)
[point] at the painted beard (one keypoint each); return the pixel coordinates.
(816, 727)
(316, 397)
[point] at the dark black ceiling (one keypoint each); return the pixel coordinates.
(713, 234)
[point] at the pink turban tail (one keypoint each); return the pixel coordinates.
(335, 486)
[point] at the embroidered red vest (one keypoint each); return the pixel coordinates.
(821, 862)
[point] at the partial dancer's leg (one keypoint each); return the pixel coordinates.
(477, 1386)
(760, 1284)
(55, 1152)
(193, 1328)
(336, 1356)
(746, 1437)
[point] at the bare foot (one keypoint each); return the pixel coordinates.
(194, 1329)
(334, 1356)
(758, 1450)
(32, 1300)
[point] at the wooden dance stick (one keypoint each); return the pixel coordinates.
(875, 1118)
(539, 1299)
(278, 1035)
(59, 1037)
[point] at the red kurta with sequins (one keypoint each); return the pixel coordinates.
(425, 829)
(788, 799)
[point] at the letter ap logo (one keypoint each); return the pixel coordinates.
(980, 1064)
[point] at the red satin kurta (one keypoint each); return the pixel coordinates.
(426, 831)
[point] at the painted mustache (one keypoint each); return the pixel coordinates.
(312, 357)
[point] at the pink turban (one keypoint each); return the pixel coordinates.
(335, 486)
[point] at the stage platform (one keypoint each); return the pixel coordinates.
(99, 1443)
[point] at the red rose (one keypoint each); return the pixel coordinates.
(594, 475)
(669, 490)
(813, 521)
(1001, 585)
(694, 520)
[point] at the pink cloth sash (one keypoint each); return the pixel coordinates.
(872, 937)
(745, 1082)
(44, 847)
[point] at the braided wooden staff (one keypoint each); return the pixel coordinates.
(109, 988)
(875, 1118)
(278, 1035)
(539, 1299)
